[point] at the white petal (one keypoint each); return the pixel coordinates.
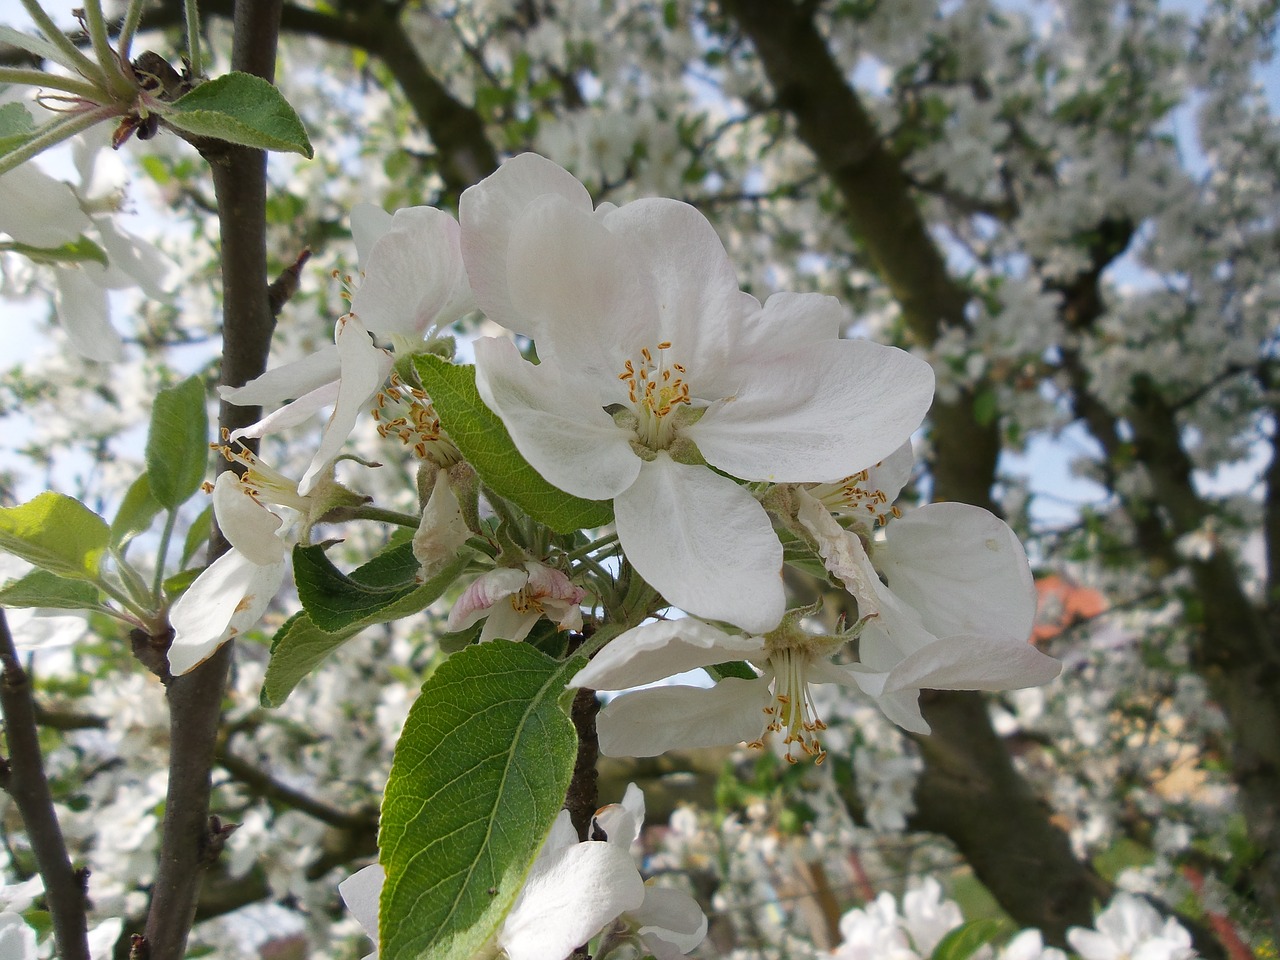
(228, 597)
(621, 822)
(561, 836)
(248, 526)
(364, 368)
(83, 312)
(291, 414)
(568, 898)
(649, 722)
(140, 262)
(973, 663)
(819, 413)
(17, 939)
(962, 568)
(39, 210)
(671, 922)
(664, 648)
(490, 209)
(368, 223)
(441, 531)
(704, 543)
(361, 892)
(288, 381)
(483, 593)
(555, 422)
(583, 291)
(505, 622)
(413, 275)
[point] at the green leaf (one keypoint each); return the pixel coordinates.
(16, 126)
(178, 443)
(240, 108)
(56, 533)
(479, 774)
(484, 441)
(80, 250)
(962, 942)
(986, 406)
(296, 649)
(40, 588)
(381, 590)
(135, 514)
(197, 534)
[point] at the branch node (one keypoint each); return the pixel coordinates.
(285, 286)
(215, 839)
(139, 949)
(153, 651)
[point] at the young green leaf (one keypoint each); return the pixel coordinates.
(240, 108)
(56, 533)
(197, 534)
(80, 250)
(479, 774)
(16, 126)
(40, 588)
(962, 942)
(297, 648)
(178, 443)
(381, 590)
(484, 441)
(136, 512)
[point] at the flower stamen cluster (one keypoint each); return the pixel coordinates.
(405, 412)
(261, 482)
(792, 708)
(654, 392)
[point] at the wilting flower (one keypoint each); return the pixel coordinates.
(946, 592)
(513, 598)
(654, 364)
(573, 890)
(412, 281)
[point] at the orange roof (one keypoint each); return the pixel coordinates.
(1062, 604)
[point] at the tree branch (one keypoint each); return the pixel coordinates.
(23, 778)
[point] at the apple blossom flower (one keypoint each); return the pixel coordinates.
(17, 940)
(1131, 929)
(231, 595)
(645, 723)
(511, 599)
(653, 364)
(946, 592)
(573, 890)
(442, 530)
(412, 281)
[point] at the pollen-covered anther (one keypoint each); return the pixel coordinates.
(406, 413)
(655, 387)
(792, 709)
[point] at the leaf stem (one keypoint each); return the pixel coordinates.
(75, 60)
(119, 85)
(385, 516)
(128, 27)
(162, 555)
(38, 78)
(582, 552)
(192, 17)
(54, 133)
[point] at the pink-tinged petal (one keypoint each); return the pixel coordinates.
(227, 598)
(584, 291)
(962, 568)
(39, 210)
(368, 223)
(364, 369)
(704, 543)
(555, 422)
(973, 663)
(482, 593)
(650, 722)
(361, 892)
(487, 213)
(288, 381)
(413, 275)
(505, 622)
(671, 922)
(664, 648)
(248, 526)
(81, 302)
(700, 309)
(819, 413)
(291, 414)
(567, 898)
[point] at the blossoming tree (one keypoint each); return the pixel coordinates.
(689, 344)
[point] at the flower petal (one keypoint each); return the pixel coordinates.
(134, 260)
(962, 568)
(413, 275)
(39, 210)
(671, 922)
(228, 597)
(248, 526)
(490, 209)
(291, 414)
(973, 663)
(287, 381)
(364, 368)
(704, 543)
(368, 223)
(479, 597)
(361, 892)
(558, 427)
(650, 722)
(583, 290)
(441, 531)
(660, 649)
(819, 413)
(567, 898)
(81, 302)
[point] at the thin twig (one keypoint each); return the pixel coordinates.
(23, 778)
